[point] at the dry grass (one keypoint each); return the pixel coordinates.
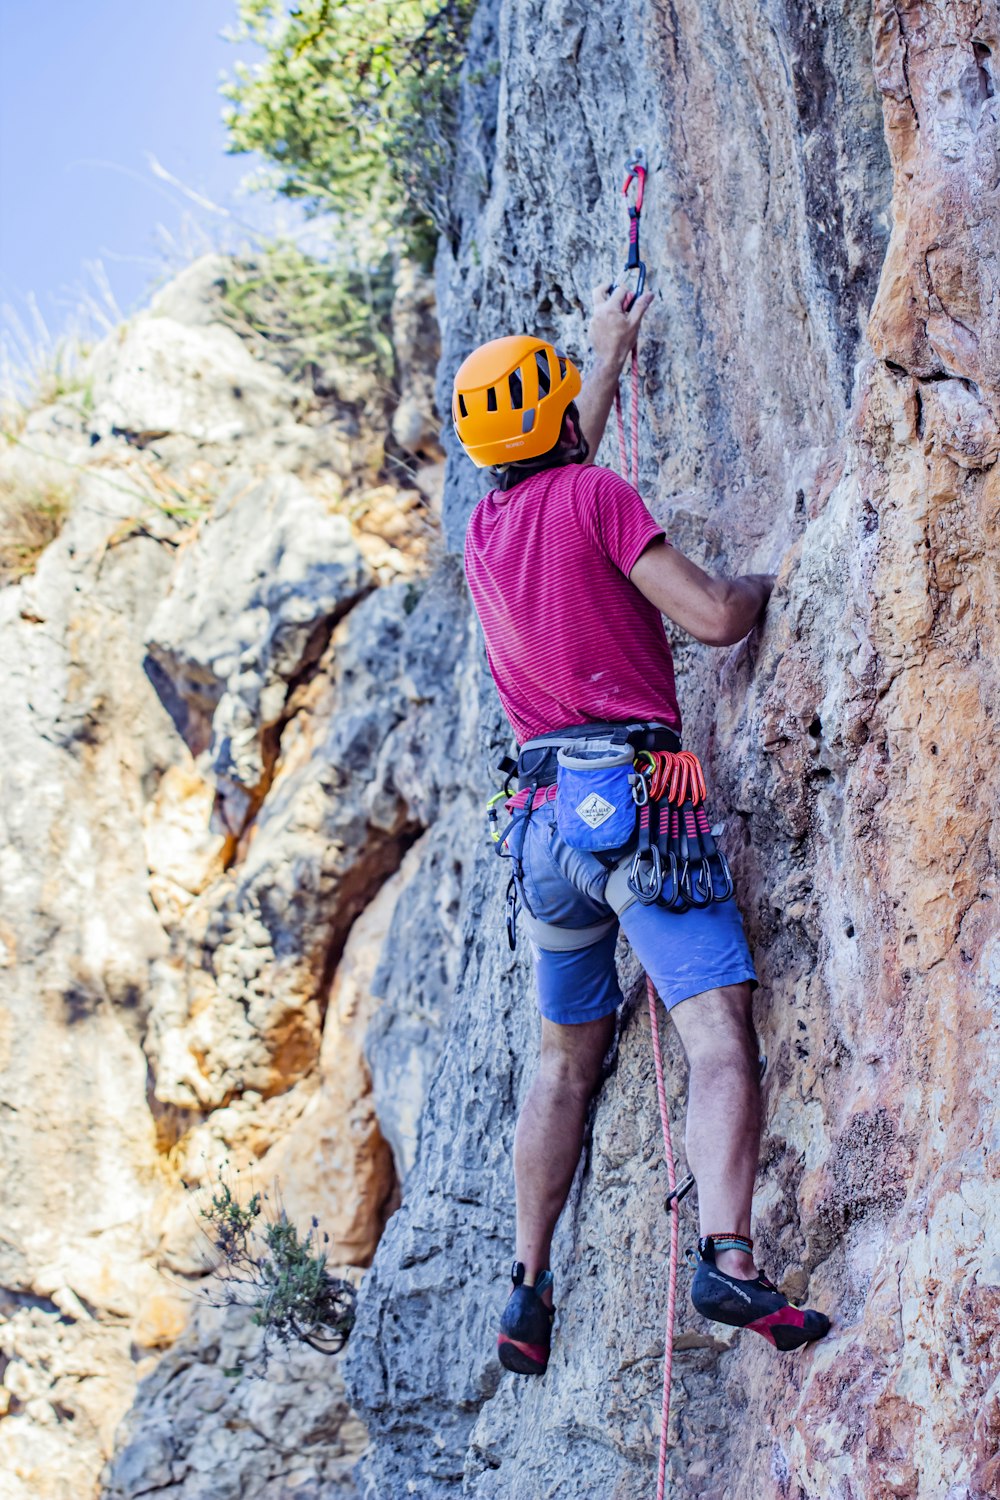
(30, 518)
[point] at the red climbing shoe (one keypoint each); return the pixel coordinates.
(526, 1326)
(757, 1305)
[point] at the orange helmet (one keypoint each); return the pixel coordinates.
(510, 398)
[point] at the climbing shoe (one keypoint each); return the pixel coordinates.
(757, 1305)
(526, 1326)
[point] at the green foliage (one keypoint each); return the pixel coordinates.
(356, 106)
(265, 1264)
(313, 309)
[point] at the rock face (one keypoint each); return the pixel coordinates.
(216, 678)
(850, 746)
(249, 910)
(294, 1432)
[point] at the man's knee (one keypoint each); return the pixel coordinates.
(716, 1031)
(727, 1057)
(573, 1077)
(572, 1057)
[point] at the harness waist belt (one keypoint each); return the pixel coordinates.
(539, 769)
(542, 794)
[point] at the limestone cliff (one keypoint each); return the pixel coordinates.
(851, 747)
(216, 680)
(249, 726)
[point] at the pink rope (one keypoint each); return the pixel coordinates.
(668, 1351)
(633, 478)
(622, 453)
(661, 1091)
(635, 418)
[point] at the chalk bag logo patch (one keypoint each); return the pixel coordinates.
(594, 810)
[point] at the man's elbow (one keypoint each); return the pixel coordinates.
(720, 632)
(732, 617)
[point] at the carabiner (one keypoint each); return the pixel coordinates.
(700, 892)
(646, 892)
(492, 816)
(675, 901)
(640, 789)
(635, 167)
(512, 913)
(680, 1191)
(723, 892)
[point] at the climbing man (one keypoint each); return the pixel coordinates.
(570, 575)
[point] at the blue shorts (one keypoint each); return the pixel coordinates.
(684, 953)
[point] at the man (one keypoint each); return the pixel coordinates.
(570, 574)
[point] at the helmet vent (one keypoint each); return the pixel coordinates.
(516, 394)
(491, 398)
(528, 420)
(542, 361)
(562, 367)
(462, 407)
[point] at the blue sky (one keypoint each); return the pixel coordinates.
(89, 89)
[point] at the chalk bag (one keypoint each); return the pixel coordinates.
(595, 805)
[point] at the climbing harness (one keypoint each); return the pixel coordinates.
(581, 768)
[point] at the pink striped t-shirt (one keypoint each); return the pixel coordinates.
(568, 638)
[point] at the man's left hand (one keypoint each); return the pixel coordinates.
(614, 326)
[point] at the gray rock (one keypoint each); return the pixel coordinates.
(206, 1429)
(194, 297)
(153, 971)
(247, 610)
(198, 383)
(765, 228)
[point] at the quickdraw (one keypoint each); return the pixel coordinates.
(677, 861)
(635, 171)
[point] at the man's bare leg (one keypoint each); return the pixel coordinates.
(723, 1119)
(549, 1134)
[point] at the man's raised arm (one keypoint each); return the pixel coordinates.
(613, 333)
(716, 611)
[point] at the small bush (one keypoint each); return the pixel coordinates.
(313, 309)
(30, 518)
(265, 1264)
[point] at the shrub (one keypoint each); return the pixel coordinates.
(313, 309)
(266, 1265)
(355, 105)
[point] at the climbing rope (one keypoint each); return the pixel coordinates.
(670, 776)
(634, 476)
(673, 1204)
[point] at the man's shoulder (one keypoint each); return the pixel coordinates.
(595, 484)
